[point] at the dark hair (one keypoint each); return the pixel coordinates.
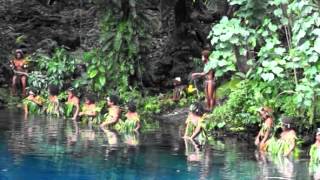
(205, 54)
(114, 99)
(19, 52)
(91, 98)
(53, 90)
(34, 90)
(132, 106)
(72, 90)
(197, 109)
(287, 122)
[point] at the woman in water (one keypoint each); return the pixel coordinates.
(113, 112)
(19, 67)
(53, 104)
(89, 109)
(194, 122)
(286, 143)
(288, 136)
(132, 122)
(32, 103)
(266, 129)
(72, 104)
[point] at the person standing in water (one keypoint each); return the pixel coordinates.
(132, 118)
(288, 136)
(53, 104)
(209, 85)
(19, 67)
(32, 103)
(194, 123)
(315, 150)
(113, 112)
(266, 129)
(89, 107)
(73, 103)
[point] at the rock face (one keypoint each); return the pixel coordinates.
(48, 23)
(181, 35)
(179, 31)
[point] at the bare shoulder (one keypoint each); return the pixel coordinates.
(269, 122)
(76, 100)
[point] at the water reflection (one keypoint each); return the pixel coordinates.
(65, 149)
(192, 150)
(198, 156)
(284, 166)
(131, 139)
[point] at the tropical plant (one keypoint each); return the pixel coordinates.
(122, 37)
(278, 41)
(53, 69)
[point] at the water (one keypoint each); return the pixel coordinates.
(43, 148)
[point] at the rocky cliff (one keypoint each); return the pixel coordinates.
(179, 31)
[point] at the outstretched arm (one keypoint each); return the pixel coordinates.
(198, 75)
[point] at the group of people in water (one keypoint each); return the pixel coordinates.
(283, 141)
(269, 139)
(72, 108)
(89, 110)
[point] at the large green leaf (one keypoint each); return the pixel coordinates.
(102, 80)
(317, 45)
(92, 73)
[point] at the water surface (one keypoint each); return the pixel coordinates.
(47, 148)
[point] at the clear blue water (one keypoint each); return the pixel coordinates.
(43, 148)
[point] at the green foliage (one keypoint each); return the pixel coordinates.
(96, 73)
(152, 104)
(68, 109)
(127, 126)
(226, 88)
(122, 37)
(33, 108)
(53, 69)
(227, 35)
(239, 110)
(279, 40)
(37, 80)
